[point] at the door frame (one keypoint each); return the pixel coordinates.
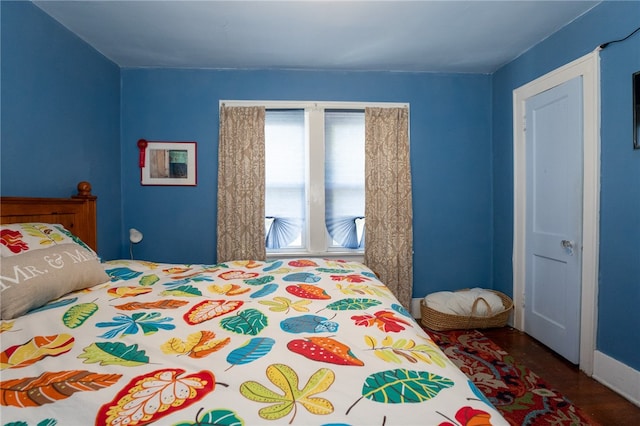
(588, 67)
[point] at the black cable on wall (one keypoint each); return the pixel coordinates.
(603, 45)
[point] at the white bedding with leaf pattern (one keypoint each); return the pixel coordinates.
(302, 342)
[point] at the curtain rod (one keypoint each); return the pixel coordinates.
(313, 104)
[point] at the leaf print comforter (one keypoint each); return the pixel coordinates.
(301, 342)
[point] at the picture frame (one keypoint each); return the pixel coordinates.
(168, 163)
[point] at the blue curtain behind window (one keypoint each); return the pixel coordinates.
(344, 231)
(282, 232)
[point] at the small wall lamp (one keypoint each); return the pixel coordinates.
(135, 237)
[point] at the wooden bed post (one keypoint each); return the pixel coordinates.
(88, 223)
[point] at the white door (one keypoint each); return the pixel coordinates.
(553, 248)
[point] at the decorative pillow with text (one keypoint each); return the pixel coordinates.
(40, 263)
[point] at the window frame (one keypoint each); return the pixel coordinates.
(316, 233)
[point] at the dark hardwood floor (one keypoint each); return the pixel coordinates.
(594, 399)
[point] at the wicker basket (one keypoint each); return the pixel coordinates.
(439, 321)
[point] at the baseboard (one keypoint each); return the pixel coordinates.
(415, 307)
(617, 376)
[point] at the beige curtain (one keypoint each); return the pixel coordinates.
(389, 223)
(241, 184)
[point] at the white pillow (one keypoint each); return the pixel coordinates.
(461, 302)
(441, 302)
(467, 298)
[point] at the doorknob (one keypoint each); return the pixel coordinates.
(568, 246)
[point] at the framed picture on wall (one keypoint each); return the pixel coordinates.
(636, 110)
(168, 163)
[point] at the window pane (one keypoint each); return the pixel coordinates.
(285, 173)
(344, 178)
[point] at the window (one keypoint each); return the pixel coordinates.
(314, 206)
(314, 177)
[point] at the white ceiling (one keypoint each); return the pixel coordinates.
(433, 36)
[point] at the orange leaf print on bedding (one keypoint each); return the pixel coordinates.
(228, 289)
(386, 321)
(237, 275)
(51, 387)
(248, 263)
(209, 309)
(34, 350)
(308, 291)
(176, 270)
(301, 263)
(128, 291)
(197, 345)
(158, 304)
(150, 397)
(324, 349)
(351, 278)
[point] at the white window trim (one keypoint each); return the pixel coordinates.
(317, 241)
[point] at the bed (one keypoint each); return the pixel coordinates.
(290, 341)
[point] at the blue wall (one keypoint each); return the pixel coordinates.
(619, 281)
(60, 116)
(450, 154)
(620, 200)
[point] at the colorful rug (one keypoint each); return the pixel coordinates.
(520, 395)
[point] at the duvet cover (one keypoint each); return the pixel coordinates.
(295, 341)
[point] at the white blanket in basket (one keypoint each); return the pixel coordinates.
(461, 302)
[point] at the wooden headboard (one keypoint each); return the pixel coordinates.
(77, 214)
